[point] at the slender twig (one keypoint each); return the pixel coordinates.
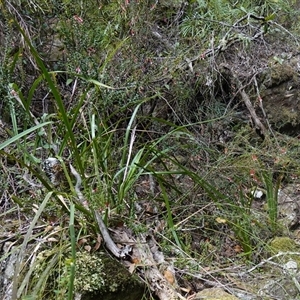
(109, 243)
(260, 103)
(253, 114)
(269, 260)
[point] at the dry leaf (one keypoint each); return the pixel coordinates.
(221, 220)
(135, 260)
(131, 268)
(88, 248)
(48, 228)
(52, 239)
(238, 249)
(169, 276)
(185, 290)
(98, 243)
(82, 241)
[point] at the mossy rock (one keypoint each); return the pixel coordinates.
(285, 245)
(101, 277)
(280, 73)
(214, 294)
(281, 96)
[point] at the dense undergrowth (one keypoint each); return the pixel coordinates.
(128, 93)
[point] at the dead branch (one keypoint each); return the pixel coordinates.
(257, 122)
(246, 99)
(109, 243)
(260, 103)
(149, 263)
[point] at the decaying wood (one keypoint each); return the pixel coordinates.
(159, 274)
(148, 262)
(256, 120)
(109, 243)
(246, 99)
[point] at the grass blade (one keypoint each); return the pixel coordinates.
(57, 97)
(169, 215)
(73, 249)
(21, 134)
(22, 252)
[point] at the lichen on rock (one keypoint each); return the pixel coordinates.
(286, 246)
(215, 294)
(283, 244)
(89, 273)
(99, 276)
(280, 94)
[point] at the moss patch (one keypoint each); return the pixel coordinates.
(285, 244)
(100, 277)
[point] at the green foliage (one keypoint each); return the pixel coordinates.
(272, 197)
(17, 137)
(217, 17)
